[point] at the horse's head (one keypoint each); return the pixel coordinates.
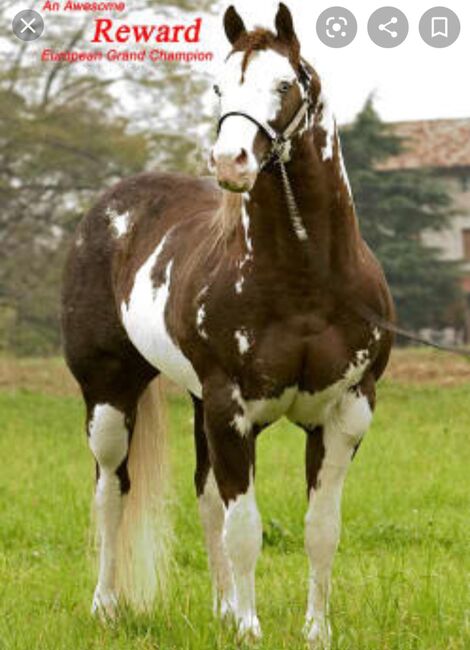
(263, 90)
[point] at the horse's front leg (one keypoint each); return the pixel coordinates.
(330, 450)
(231, 450)
(212, 511)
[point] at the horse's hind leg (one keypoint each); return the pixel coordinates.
(112, 387)
(212, 511)
(109, 432)
(330, 450)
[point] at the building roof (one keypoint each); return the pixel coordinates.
(442, 144)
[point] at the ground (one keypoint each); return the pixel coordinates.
(401, 574)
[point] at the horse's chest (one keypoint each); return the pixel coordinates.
(305, 407)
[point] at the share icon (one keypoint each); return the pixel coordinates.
(388, 27)
(384, 27)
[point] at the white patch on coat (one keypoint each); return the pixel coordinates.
(200, 319)
(108, 436)
(108, 440)
(245, 219)
(260, 411)
(376, 333)
(145, 324)
(257, 96)
(243, 342)
(343, 171)
(243, 539)
(246, 228)
(118, 222)
(345, 426)
(239, 284)
(328, 124)
(301, 407)
(314, 409)
(212, 512)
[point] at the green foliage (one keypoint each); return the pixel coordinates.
(66, 134)
(394, 209)
(401, 573)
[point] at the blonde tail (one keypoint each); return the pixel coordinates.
(144, 536)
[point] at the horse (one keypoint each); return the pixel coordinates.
(246, 293)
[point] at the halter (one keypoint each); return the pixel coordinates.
(280, 148)
(279, 154)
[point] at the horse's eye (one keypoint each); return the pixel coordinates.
(217, 90)
(284, 87)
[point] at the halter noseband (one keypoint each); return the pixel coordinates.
(280, 148)
(280, 142)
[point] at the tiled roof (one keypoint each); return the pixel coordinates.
(432, 143)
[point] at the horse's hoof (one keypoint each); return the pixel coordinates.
(249, 630)
(318, 635)
(105, 606)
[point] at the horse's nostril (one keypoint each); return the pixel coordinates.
(242, 158)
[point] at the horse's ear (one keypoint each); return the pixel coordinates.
(285, 25)
(234, 25)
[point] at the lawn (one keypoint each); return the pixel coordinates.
(401, 578)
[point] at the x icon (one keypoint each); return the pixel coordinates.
(28, 25)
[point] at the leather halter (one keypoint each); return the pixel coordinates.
(280, 142)
(279, 153)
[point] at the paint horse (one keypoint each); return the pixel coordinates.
(245, 294)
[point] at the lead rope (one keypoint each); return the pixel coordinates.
(361, 310)
(292, 207)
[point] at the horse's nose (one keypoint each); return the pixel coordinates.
(229, 159)
(232, 168)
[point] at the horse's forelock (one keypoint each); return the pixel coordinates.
(263, 39)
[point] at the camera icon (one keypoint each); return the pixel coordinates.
(336, 27)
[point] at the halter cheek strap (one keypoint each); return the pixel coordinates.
(280, 142)
(280, 149)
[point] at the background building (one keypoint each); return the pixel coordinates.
(443, 146)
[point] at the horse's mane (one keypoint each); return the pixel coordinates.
(227, 217)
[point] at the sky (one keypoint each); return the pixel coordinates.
(412, 81)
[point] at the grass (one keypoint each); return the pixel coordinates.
(401, 579)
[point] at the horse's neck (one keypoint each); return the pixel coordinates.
(321, 189)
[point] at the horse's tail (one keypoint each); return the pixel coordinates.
(145, 535)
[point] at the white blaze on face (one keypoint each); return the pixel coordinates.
(256, 96)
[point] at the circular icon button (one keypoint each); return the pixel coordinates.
(388, 27)
(439, 27)
(28, 25)
(336, 27)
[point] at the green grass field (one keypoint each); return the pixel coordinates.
(401, 578)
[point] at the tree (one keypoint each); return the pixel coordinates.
(394, 208)
(66, 134)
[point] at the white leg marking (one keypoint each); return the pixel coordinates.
(243, 539)
(347, 424)
(109, 443)
(212, 511)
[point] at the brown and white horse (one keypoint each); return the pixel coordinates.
(245, 300)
